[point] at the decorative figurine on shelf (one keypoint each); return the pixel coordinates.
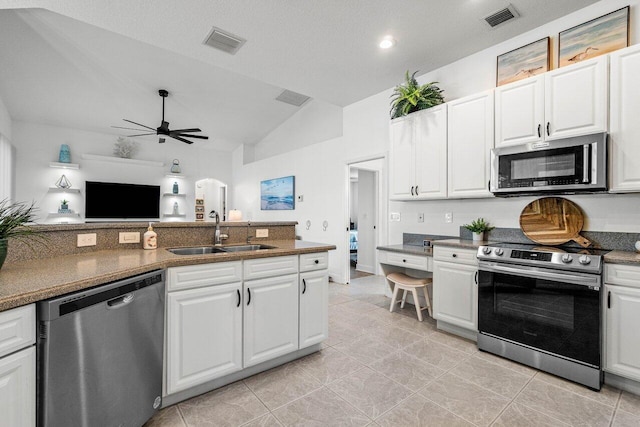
(176, 208)
(175, 168)
(65, 154)
(63, 183)
(175, 187)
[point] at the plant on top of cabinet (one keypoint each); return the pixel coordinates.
(13, 220)
(410, 96)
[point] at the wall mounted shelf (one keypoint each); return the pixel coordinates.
(174, 215)
(175, 175)
(63, 190)
(174, 194)
(59, 165)
(63, 215)
(120, 160)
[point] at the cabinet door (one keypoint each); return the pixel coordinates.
(204, 335)
(455, 294)
(470, 140)
(401, 159)
(431, 153)
(18, 389)
(622, 349)
(576, 99)
(270, 318)
(520, 112)
(314, 308)
(625, 126)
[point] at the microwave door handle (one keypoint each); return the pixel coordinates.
(536, 273)
(586, 148)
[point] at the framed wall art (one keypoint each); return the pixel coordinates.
(277, 194)
(523, 62)
(594, 38)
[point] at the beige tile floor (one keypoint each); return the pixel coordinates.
(384, 369)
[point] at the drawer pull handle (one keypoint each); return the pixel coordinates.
(304, 282)
(249, 292)
(238, 290)
(317, 261)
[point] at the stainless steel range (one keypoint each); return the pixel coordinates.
(540, 306)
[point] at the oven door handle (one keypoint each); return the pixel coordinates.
(589, 280)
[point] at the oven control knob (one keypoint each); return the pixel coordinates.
(486, 250)
(584, 260)
(566, 258)
(499, 251)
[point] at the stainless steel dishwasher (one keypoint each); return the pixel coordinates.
(100, 354)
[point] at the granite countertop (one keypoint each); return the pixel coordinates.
(408, 249)
(622, 257)
(30, 281)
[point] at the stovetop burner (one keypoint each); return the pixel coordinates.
(554, 257)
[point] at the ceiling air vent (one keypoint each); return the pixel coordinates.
(502, 16)
(293, 98)
(223, 40)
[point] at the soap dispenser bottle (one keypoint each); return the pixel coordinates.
(175, 187)
(150, 239)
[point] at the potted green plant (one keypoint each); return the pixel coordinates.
(478, 227)
(64, 205)
(13, 220)
(411, 96)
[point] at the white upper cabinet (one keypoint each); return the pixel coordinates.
(625, 125)
(520, 111)
(470, 140)
(419, 155)
(569, 101)
(576, 99)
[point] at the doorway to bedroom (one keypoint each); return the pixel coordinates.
(364, 188)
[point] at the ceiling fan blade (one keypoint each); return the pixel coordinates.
(186, 130)
(138, 124)
(121, 127)
(181, 139)
(141, 134)
(189, 136)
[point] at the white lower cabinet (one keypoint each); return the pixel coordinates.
(455, 290)
(18, 367)
(314, 308)
(204, 335)
(622, 317)
(270, 318)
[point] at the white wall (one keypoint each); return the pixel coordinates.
(321, 177)
(316, 121)
(37, 145)
(5, 120)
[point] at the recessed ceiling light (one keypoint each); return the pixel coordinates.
(387, 42)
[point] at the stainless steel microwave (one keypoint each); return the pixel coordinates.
(569, 165)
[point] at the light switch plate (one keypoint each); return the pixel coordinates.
(421, 217)
(448, 217)
(394, 217)
(262, 232)
(129, 237)
(88, 239)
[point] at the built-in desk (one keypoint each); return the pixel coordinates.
(415, 261)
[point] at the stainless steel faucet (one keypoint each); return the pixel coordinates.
(217, 236)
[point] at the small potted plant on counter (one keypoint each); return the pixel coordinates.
(478, 227)
(13, 220)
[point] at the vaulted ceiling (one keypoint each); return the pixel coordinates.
(89, 64)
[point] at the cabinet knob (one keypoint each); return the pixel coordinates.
(404, 260)
(454, 255)
(317, 261)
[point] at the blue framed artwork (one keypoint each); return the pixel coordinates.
(278, 194)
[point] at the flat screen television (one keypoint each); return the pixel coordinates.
(110, 201)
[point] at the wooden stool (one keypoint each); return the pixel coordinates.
(412, 284)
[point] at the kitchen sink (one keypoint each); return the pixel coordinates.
(201, 250)
(245, 248)
(196, 251)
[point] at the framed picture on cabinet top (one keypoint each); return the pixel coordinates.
(594, 38)
(526, 61)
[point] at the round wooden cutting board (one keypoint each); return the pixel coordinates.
(553, 221)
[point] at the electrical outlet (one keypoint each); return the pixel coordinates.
(448, 217)
(394, 217)
(129, 237)
(88, 239)
(262, 232)
(421, 217)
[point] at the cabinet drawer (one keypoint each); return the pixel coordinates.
(622, 274)
(405, 260)
(317, 261)
(195, 276)
(17, 328)
(267, 267)
(458, 255)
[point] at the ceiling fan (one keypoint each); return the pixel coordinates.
(163, 130)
